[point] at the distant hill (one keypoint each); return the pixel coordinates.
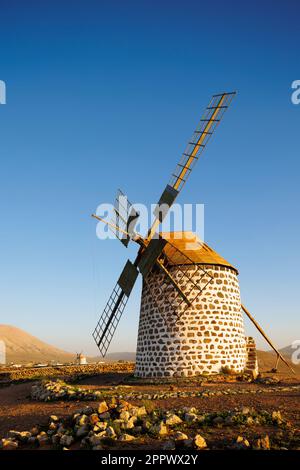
(288, 351)
(120, 356)
(267, 360)
(115, 356)
(21, 347)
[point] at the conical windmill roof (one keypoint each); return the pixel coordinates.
(194, 249)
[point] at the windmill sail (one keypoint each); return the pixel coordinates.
(109, 320)
(125, 218)
(208, 123)
(210, 120)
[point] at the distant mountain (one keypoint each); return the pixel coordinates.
(288, 351)
(116, 356)
(267, 360)
(21, 347)
(121, 356)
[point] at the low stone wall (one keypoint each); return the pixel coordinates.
(65, 371)
(53, 391)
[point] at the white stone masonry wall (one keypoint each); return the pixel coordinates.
(208, 336)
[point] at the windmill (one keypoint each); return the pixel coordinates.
(80, 358)
(191, 320)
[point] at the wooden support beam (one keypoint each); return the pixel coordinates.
(135, 237)
(173, 282)
(277, 360)
(266, 338)
(110, 224)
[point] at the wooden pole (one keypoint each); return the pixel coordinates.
(266, 338)
(110, 224)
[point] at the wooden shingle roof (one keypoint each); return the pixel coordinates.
(196, 251)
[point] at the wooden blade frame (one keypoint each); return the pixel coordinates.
(208, 123)
(210, 120)
(109, 320)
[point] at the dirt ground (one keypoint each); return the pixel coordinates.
(19, 412)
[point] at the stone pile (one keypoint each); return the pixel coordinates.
(252, 362)
(116, 421)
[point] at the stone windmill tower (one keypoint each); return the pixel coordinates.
(191, 314)
(204, 337)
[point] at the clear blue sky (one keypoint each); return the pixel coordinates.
(102, 95)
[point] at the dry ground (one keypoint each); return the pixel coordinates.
(19, 412)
